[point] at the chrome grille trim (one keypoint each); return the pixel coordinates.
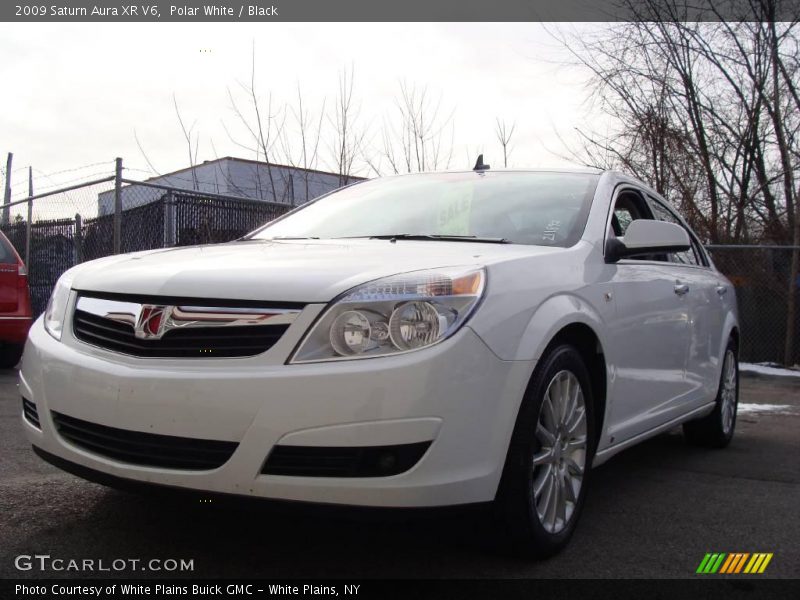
(179, 327)
(184, 317)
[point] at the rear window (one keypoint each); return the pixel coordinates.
(7, 255)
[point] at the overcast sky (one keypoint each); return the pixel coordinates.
(74, 95)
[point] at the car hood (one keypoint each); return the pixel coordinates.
(285, 270)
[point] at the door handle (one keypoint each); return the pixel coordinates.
(722, 290)
(681, 289)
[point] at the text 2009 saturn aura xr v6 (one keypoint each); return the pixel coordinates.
(412, 341)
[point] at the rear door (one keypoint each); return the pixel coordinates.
(650, 332)
(9, 270)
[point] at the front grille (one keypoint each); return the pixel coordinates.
(219, 342)
(31, 413)
(145, 449)
(333, 461)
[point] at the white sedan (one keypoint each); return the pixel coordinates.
(412, 341)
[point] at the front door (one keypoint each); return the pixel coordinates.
(650, 331)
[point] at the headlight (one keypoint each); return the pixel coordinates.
(56, 310)
(394, 314)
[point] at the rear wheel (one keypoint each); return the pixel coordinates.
(10, 355)
(544, 481)
(715, 430)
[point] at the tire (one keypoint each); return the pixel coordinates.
(715, 430)
(10, 355)
(524, 522)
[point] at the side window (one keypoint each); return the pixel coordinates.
(623, 218)
(629, 207)
(691, 256)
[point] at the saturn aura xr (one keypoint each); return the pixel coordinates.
(423, 340)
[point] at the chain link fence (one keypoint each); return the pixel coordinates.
(59, 229)
(761, 277)
(46, 229)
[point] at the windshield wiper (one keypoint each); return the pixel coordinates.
(438, 238)
(277, 237)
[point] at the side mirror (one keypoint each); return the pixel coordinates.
(645, 236)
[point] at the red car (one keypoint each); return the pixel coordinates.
(15, 304)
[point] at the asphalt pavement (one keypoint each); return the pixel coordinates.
(652, 511)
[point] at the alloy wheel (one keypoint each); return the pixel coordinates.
(728, 393)
(560, 462)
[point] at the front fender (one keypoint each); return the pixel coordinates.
(531, 336)
(552, 316)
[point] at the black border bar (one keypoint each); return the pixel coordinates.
(416, 589)
(188, 11)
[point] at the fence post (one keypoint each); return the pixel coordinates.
(28, 223)
(77, 239)
(118, 207)
(7, 195)
(169, 220)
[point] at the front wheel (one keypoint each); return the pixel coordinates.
(715, 430)
(546, 473)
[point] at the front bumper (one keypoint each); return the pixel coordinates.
(457, 394)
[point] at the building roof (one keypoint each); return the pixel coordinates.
(252, 162)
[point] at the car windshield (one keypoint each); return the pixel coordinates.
(537, 208)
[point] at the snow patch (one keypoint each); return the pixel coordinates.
(767, 370)
(775, 409)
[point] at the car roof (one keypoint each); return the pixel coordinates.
(615, 176)
(586, 170)
(620, 177)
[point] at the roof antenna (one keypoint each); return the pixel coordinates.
(479, 165)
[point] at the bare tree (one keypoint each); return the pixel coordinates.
(707, 113)
(192, 141)
(301, 143)
(504, 134)
(264, 123)
(189, 136)
(347, 140)
(418, 136)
